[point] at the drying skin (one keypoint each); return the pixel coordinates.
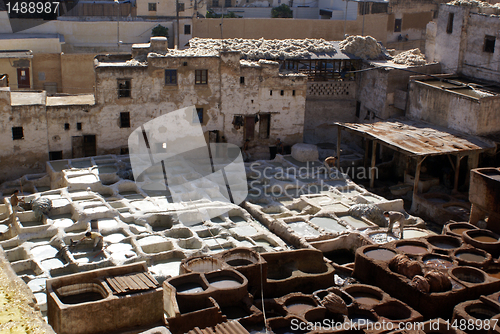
(334, 303)
(421, 284)
(410, 58)
(362, 47)
(404, 266)
(255, 48)
(438, 281)
(369, 211)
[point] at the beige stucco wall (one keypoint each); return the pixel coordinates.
(167, 8)
(37, 45)
(48, 66)
(374, 25)
(77, 72)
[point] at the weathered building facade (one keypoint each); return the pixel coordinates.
(235, 98)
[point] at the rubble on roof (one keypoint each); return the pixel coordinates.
(365, 47)
(473, 3)
(411, 58)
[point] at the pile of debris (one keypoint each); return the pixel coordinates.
(257, 48)
(410, 58)
(362, 47)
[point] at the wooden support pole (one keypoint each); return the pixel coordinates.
(472, 163)
(339, 129)
(417, 176)
(374, 159)
(367, 147)
(457, 173)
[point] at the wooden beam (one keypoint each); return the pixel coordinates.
(374, 159)
(339, 129)
(472, 163)
(451, 162)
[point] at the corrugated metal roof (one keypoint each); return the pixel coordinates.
(418, 138)
(231, 327)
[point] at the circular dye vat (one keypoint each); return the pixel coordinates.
(468, 274)
(481, 312)
(380, 254)
(412, 249)
(366, 298)
(485, 238)
(494, 273)
(239, 262)
(444, 242)
(438, 263)
(224, 282)
(460, 230)
(299, 308)
(189, 288)
(472, 257)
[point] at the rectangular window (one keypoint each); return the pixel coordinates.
(264, 126)
(215, 3)
(397, 25)
(293, 92)
(187, 29)
(271, 92)
(199, 114)
(242, 80)
(489, 44)
(55, 155)
(170, 77)
(124, 88)
(79, 126)
(123, 150)
(17, 133)
(363, 8)
(66, 126)
(449, 26)
(201, 77)
(125, 120)
(379, 8)
(180, 7)
(282, 92)
(227, 3)
(152, 6)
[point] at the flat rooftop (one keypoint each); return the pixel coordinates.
(20, 98)
(464, 86)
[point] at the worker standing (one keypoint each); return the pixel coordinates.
(395, 216)
(279, 146)
(14, 201)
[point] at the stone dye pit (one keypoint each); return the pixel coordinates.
(234, 266)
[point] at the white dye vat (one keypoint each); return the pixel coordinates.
(321, 200)
(37, 284)
(372, 199)
(82, 259)
(87, 178)
(329, 224)
(153, 239)
(144, 205)
(243, 230)
(336, 207)
(63, 222)
(43, 252)
(245, 243)
(410, 234)
(3, 228)
(167, 268)
(96, 209)
(121, 252)
(107, 223)
(212, 242)
(137, 228)
(382, 238)
(52, 263)
(354, 222)
(114, 238)
(41, 298)
(59, 202)
(303, 229)
(263, 243)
